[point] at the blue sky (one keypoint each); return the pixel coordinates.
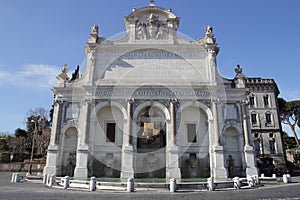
(38, 37)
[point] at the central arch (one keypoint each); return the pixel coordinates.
(150, 139)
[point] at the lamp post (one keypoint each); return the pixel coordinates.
(32, 147)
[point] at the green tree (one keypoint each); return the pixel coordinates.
(290, 115)
(4, 143)
(22, 140)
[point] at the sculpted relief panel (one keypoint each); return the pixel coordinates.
(153, 28)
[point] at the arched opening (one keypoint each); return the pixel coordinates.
(151, 141)
(108, 140)
(233, 153)
(69, 151)
(152, 130)
(194, 139)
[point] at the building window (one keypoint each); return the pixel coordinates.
(268, 119)
(251, 101)
(272, 143)
(257, 144)
(191, 133)
(253, 119)
(266, 100)
(110, 132)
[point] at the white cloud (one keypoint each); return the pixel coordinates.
(30, 76)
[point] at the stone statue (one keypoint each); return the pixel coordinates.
(71, 164)
(64, 73)
(209, 29)
(209, 36)
(141, 31)
(95, 29)
(239, 72)
(152, 27)
(230, 166)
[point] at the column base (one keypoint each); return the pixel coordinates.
(219, 171)
(127, 163)
(50, 167)
(251, 168)
(172, 168)
(81, 170)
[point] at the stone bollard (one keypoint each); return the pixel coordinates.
(237, 183)
(210, 184)
(51, 180)
(255, 179)
(93, 184)
(258, 179)
(66, 182)
(285, 178)
(48, 179)
(250, 181)
(45, 179)
(273, 175)
(17, 178)
(289, 178)
(173, 185)
(13, 177)
(130, 185)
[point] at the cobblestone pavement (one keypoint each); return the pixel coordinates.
(37, 191)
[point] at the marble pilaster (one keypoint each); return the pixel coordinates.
(172, 168)
(218, 167)
(53, 148)
(248, 149)
(81, 169)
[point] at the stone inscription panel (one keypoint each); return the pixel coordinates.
(164, 93)
(156, 65)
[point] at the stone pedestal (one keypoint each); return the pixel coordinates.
(50, 167)
(219, 170)
(81, 170)
(251, 169)
(127, 162)
(172, 168)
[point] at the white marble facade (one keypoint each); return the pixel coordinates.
(151, 105)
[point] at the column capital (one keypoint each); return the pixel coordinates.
(131, 100)
(58, 102)
(86, 101)
(215, 100)
(173, 100)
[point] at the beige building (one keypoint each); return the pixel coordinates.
(154, 105)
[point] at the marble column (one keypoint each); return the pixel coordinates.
(172, 162)
(172, 122)
(218, 166)
(248, 149)
(82, 156)
(127, 149)
(53, 148)
(216, 121)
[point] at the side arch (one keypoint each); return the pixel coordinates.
(69, 150)
(104, 104)
(204, 107)
(233, 142)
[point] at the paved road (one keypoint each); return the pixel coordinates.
(34, 191)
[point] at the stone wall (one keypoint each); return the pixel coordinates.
(20, 166)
